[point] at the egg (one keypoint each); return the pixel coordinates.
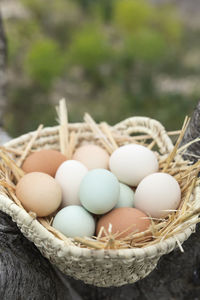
(131, 163)
(99, 191)
(124, 220)
(74, 221)
(126, 196)
(92, 156)
(46, 161)
(69, 175)
(158, 193)
(39, 193)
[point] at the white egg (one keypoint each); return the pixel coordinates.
(69, 175)
(126, 196)
(157, 194)
(74, 221)
(131, 163)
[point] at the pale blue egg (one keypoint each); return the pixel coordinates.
(74, 221)
(126, 196)
(99, 191)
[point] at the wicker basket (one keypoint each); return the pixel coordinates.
(98, 267)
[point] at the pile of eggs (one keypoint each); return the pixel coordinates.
(94, 190)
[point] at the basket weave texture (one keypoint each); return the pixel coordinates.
(98, 267)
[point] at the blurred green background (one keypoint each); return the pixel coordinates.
(113, 59)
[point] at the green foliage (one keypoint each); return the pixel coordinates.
(169, 22)
(131, 15)
(28, 113)
(27, 29)
(89, 49)
(105, 56)
(44, 62)
(55, 18)
(147, 46)
(36, 7)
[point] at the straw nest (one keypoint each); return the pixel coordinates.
(183, 171)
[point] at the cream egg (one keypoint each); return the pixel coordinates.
(39, 193)
(69, 175)
(157, 194)
(92, 156)
(131, 163)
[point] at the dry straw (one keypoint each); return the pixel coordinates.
(183, 171)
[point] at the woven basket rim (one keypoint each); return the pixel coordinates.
(151, 251)
(22, 218)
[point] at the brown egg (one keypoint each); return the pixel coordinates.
(39, 193)
(45, 161)
(124, 218)
(92, 156)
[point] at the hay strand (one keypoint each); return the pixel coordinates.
(106, 143)
(63, 128)
(174, 151)
(105, 128)
(29, 146)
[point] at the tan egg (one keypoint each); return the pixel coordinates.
(124, 218)
(92, 156)
(45, 161)
(39, 193)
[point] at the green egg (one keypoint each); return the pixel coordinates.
(126, 196)
(73, 221)
(99, 191)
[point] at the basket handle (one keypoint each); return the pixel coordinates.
(149, 126)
